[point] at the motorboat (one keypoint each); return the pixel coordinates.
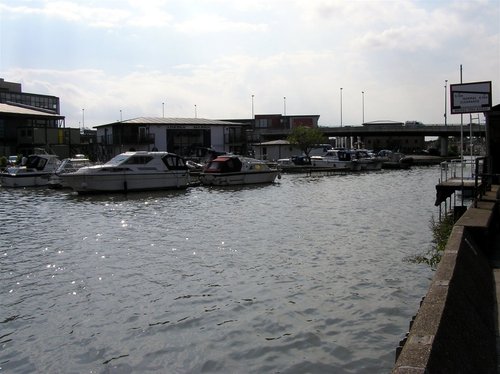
(34, 171)
(333, 159)
(394, 160)
(131, 171)
(68, 165)
(294, 163)
(364, 160)
(194, 167)
(226, 170)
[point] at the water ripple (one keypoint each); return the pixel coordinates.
(306, 275)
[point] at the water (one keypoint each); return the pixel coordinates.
(306, 275)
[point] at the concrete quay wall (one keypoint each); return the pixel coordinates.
(455, 329)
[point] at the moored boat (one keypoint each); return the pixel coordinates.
(363, 160)
(333, 159)
(394, 160)
(131, 171)
(35, 171)
(68, 165)
(228, 170)
(294, 164)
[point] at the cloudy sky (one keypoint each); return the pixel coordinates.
(136, 58)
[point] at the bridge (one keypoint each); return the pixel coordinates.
(346, 134)
(388, 130)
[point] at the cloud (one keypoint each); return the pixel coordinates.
(213, 23)
(215, 54)
(113, 14)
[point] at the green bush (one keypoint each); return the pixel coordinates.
(441, 231)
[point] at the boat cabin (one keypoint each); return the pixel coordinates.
(224, 164)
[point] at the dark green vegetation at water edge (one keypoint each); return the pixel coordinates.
(441, 231)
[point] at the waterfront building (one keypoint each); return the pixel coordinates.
(408, 143)
(187, 137)
(29, 121)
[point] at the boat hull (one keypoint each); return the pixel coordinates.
(359, 165)
(331, 164)
(238, 178)
(122, 182)
(24, 179)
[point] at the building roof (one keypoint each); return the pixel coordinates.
(23, 110)
(273, 142)
(384, 122)
(173, 121)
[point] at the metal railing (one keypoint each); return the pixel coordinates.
(458, 169)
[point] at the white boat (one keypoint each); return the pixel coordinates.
(131, 171)
(231, 170)
(394, 160)
(35, 171)
(334, 159)
(363, 160)
(293, 164)
(68, 165)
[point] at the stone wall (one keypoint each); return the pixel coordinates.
(455, 329)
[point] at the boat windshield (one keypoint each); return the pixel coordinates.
(117, 160)
(35, 162)
(174, 162)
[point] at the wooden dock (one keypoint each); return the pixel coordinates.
(447, 188)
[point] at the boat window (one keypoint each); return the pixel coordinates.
(138, 160)
(225, 166)
(41, 163)
(32, 162)
(344, 156)
(114, 170)
(214, 166)
(117, 160)
(174, 162)
(36, 162)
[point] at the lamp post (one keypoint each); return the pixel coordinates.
(363, 106)
(445, 101)
(284, 105)
(120, 115)
(252, 107)
(163, 110)
(83, 118)
(340, 106)
(195, 111)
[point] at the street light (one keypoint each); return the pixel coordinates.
(340, 106)
(363, 105)
(445, 101)
(195, 112)
(252, 107)
(284, 105)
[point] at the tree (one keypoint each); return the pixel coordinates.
(306, 138)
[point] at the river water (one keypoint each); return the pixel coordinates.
(309, 274)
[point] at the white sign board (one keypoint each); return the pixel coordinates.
(470, 97)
